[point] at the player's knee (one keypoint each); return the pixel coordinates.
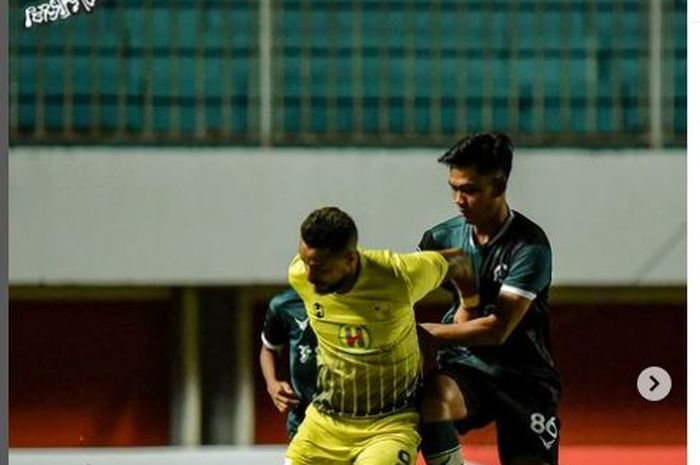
(442, 400)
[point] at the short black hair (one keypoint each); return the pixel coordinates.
(486, 152)
(329, 228)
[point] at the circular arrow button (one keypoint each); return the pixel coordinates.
(654, 383)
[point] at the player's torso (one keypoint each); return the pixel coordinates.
(363, 324)
(527, 349)
(370, 319)
(493, 260)
(368, 356)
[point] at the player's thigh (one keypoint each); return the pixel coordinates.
(303, 451)
(441, 398)
(319, 442)
(469, 395)
(392, 440)
(389, 451)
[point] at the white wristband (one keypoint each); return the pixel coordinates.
(470, 301)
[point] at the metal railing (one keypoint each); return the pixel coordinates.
(607, 73)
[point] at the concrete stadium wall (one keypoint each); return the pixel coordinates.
(230, 216)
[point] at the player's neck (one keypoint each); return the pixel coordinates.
(488, 229)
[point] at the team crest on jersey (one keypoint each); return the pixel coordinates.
(500, 272)
(354, 336)
(318, 310)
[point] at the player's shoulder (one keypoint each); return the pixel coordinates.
(449, 225)
(386, 257)
(286, 300)
(383, 264)
(378, 258)
(296, 266)
(397, 263)
(527, 231)
(444, 231)
(296, 273)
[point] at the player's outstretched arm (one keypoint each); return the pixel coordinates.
(280, 391)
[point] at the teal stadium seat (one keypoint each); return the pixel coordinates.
(567, 73)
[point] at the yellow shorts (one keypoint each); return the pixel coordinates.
(326, 440)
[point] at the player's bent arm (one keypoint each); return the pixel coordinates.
(280, 392)
(268, 365)
(466, 313)
(493, 329)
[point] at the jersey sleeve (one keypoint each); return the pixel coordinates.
(428, 242)
(423, 272)
(530, 271)
(275, 333)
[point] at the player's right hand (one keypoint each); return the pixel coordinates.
(282, 395)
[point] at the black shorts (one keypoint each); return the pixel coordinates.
(525, 412)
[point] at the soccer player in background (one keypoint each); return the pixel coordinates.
(496, 362)
(286, 324)
(360, 305)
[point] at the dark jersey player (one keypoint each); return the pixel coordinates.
(287, 324)
(495, 361)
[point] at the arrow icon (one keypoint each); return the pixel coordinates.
(655, 381)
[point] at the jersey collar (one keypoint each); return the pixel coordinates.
(498, 235)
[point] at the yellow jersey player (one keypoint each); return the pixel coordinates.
(360, 305)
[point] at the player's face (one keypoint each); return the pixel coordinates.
(326, 271)
(475, 194)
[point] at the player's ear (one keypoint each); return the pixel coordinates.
(351, 257)
(499, 185)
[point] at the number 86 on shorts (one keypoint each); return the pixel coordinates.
(545, 428)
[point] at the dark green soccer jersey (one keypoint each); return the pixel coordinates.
(517, 260)
(286, 323)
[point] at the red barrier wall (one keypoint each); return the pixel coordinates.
(600, 350)
(88, 373)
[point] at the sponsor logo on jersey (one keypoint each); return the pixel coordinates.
(354, 336)
(318, 310)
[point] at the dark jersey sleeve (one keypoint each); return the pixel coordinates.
(428, 242)
(530, 272)
(275, 334)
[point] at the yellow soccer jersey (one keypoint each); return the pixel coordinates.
(368, 355)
